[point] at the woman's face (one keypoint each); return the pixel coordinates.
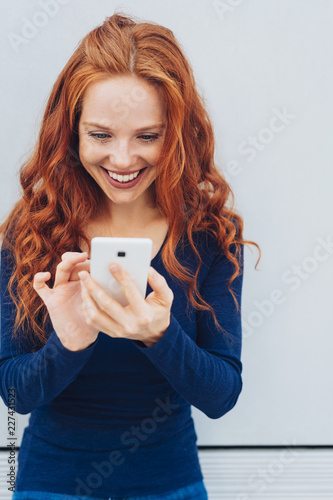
(121, 132)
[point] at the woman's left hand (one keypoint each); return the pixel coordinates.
(142, 319)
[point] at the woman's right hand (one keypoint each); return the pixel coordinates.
(63, 301)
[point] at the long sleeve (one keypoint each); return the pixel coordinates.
(38, 377)
(120, 394)
(206, 372)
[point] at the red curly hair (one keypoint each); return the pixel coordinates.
(48, 220)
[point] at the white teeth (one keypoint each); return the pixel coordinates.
(123, 178)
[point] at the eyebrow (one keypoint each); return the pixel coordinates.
(159, 126)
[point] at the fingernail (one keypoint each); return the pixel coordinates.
(152, 272)
(83, 275)
(114, 268)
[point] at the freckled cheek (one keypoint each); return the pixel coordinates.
(89, 155)
(152, 158)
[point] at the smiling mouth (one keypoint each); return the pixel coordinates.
(124, 178)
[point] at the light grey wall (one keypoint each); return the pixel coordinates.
(265, 71)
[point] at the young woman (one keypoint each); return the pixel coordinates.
(126, 149)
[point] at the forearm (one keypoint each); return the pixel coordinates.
(39, 377)
(205, 380)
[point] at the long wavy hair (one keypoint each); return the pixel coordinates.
(60, 197)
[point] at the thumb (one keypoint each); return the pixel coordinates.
(161, 291)
(40, 286)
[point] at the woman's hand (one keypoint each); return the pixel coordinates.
(142, 319)
(63, 301)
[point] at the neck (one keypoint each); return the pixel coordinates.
(129, 218)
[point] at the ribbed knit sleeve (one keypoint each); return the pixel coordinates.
(37, 377)
(206, 372)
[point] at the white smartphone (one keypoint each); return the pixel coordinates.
(133, 254)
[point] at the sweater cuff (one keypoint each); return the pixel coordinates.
(67, 354)
(163, 344)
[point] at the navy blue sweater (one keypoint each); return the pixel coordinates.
(115, 419)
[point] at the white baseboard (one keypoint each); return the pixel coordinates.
(260, 474)
(279, 474)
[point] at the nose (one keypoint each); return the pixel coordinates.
(121, 156)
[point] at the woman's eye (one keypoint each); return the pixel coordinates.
(99, 137)
(149, 138)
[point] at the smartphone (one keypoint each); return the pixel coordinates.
(133, 254)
